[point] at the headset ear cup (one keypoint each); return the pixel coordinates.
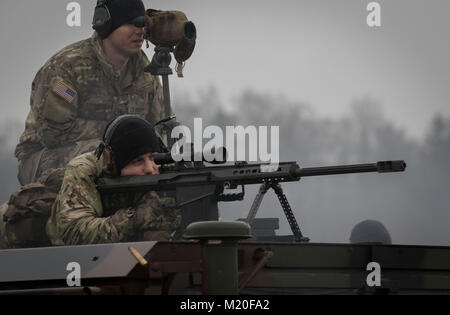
(109, 167)
(162, 146)
(101, 22)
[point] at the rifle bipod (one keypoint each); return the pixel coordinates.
(284, 205)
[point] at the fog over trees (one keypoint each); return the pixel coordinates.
(414, 205)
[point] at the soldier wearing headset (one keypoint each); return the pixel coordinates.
(85, 85)
(81, 216)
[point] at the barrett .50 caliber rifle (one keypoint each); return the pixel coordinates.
(194, 183)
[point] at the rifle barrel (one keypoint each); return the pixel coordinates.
(380, 167)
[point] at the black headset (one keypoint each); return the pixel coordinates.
(102, 19)
(109, 165)
(109, 131)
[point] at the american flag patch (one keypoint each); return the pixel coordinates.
(64, 91)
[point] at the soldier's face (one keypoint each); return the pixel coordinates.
(127, 39)
(142, 165)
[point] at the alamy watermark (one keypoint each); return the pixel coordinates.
(374, 17)
(373, 279)
(248, 143)
(73, 278)
(74, 17)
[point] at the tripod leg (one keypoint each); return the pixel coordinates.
(289, 214)
(257, 202)
(167, 106)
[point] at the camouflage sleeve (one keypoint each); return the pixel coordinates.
(154, 212)
(29, 141)
(79, 212)
(54, 101)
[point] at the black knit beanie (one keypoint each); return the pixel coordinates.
(123, 11)
(130, 136)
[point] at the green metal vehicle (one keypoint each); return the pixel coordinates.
(215, 260)
(222, 257)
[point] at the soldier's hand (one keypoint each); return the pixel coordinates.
(157, 213)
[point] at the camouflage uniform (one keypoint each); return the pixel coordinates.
(73, 97)
(79, 217)
(3, 238)
(24, 217)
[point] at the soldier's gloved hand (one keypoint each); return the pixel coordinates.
(157, 213)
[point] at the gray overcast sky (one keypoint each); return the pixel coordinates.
(318, 52)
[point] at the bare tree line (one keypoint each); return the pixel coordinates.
(414, 206)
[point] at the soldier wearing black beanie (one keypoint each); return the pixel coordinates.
(81, 215)
(84, 86)
(111, 14)
(127, 137)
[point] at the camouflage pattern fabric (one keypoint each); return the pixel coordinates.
(78, 215)
(74, 95)
(3, 240)
(23, 218)
(26, 216)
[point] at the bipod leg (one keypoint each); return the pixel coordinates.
(257, 202)
(289, 214)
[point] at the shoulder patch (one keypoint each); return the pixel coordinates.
(64, 91)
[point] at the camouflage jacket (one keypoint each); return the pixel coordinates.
(74, 95)
(3, 237)
(79, 217)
